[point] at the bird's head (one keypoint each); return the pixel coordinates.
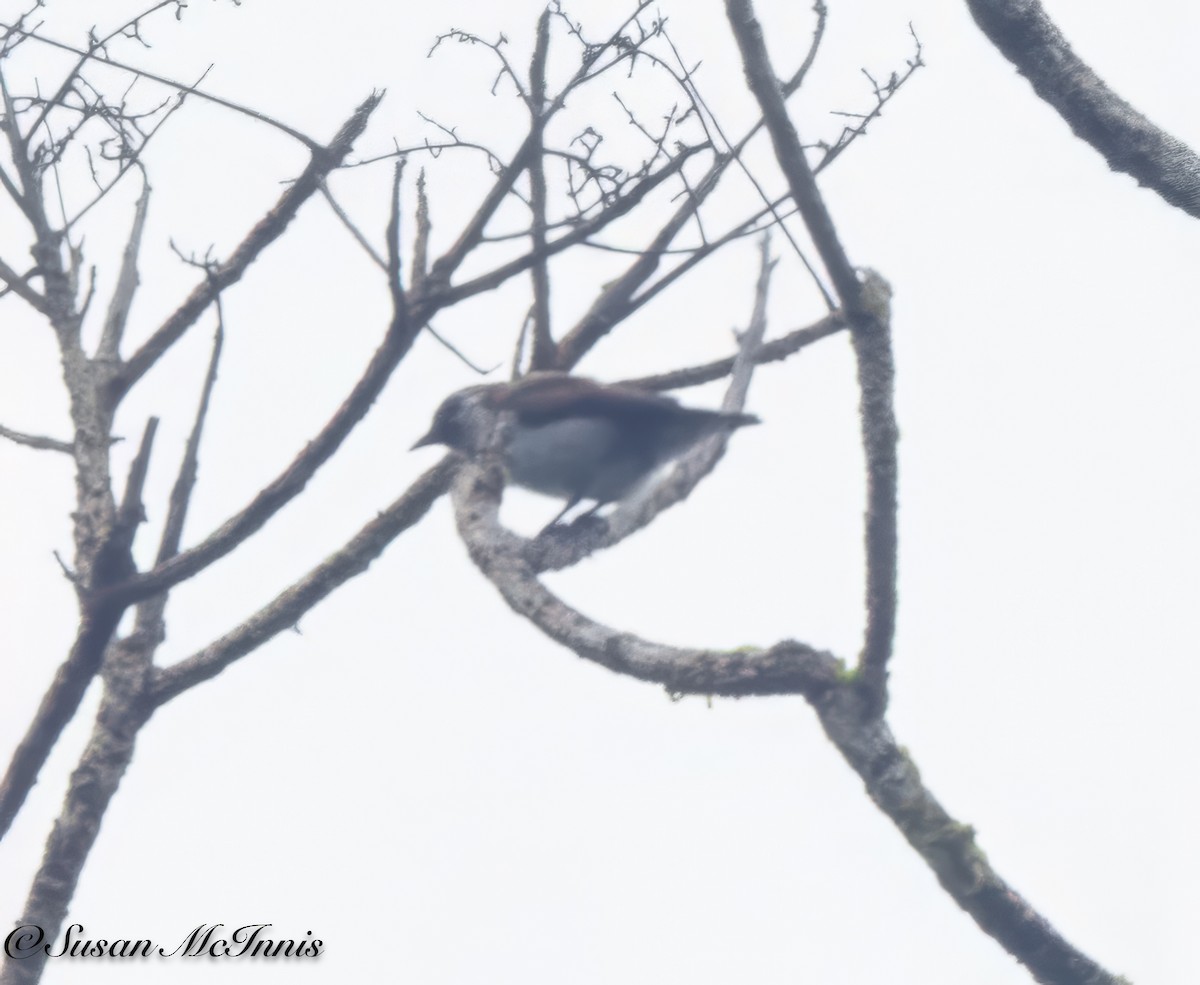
(462, 422)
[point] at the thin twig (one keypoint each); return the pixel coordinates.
(133, 159)
(354, 231)
(149, 624)
(542, 353)
(126, 286)
(308, 142)
(395, 260)
(798, 77)
(420, 259)
(773, 351)
(185, 479)
(84, 58)
(36, 441)
(445, 267)
(883, 95)
(735, 152)
(611, 306)
(451, 295)
(28, 197)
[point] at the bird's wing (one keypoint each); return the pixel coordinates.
(542, 396)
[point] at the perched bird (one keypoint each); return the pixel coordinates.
(575, 438)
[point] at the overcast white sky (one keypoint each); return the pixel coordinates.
(442, 795)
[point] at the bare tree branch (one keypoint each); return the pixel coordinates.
(444, 296)
(613, 303)
(773, 351)
(57, 707)
(422, 237)
(185, 480)
(444, 268)
(123, 711)
(701, 253)
(268, 229)
(787, 668)
(871, 338)
(36, 441)
(96, 45)
(19, 285)
(127, 283)
(751, 340)
(852, 713)
(354, 231)
(287, 607)
(844, 708)
(132, 511)
(542, 351)
(99, 622)
(735, 153)
(864, 739)
(420, 259)
(289, 483)
(395, 261)
(129, 160)
(28, 197)
(1127, 140)
(557, 547)
(308, 142)
(867, 312)
(884, 93)
(948, 846)
(764, 84)
(801, 73)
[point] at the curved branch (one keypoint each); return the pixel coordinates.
(842, 705)
(866, 305)
(787, 668)
(1124, 137)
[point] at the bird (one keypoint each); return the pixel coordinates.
(574, 438)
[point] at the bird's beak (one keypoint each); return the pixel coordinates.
(430, 439)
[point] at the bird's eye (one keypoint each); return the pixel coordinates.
(451, 427)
